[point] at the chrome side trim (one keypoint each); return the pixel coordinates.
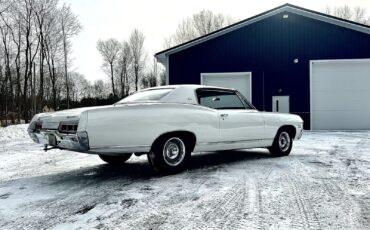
(227, 145)
(119, 149)
(235, 142)
(119, 146)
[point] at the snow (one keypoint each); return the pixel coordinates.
(323, 184)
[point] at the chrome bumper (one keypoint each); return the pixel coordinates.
(299, 134)
(76, 142)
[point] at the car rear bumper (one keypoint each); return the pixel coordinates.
(76, 142)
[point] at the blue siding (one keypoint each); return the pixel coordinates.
(267, 48)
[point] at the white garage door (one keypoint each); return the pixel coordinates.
(242, 81)
(340, 95)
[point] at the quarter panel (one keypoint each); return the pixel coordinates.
(140, 124)
(273, 121)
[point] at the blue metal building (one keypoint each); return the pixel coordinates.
(288, 59)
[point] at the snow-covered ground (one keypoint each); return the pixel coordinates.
(323, 184)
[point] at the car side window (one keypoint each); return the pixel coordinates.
(219, 99)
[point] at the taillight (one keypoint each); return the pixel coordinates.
(38, 127)
(69, 128)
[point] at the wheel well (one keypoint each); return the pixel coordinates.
(188, 137)
(290, 129)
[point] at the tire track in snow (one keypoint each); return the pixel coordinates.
(155, 208)
(308, 218)
(320, 202)
(226, 210)
(347, 217)
(241, 206)
(335, 207)
(252, 211)
(295, 196)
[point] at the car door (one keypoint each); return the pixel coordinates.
(239, 121)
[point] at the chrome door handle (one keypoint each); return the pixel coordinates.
(223, 115)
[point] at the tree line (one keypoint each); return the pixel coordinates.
(35, 56)
(356, 14)
(126, 63)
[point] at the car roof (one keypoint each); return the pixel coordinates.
(187, 86)
(185, 94)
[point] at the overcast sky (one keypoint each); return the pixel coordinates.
(102, 19)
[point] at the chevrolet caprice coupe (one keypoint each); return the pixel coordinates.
(168, 123)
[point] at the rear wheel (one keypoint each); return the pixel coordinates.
(170, 154)
(115, 160)
(282, 145)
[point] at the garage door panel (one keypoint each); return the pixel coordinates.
(338, 84)
(340, 94)
(240, 81)
(340, 65)
(346, 100)
(343, 120)
(340, 81)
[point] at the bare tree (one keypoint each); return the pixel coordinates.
(15, 27)
(136, 42)
(109, 49)
(149, 80)
(6, 49)
(162, 77)
(185, 32)
(53, 52)
(27, 18)
(359, 14)
(35, 46)
(44, 13)
(199, 24)
(70, 26)
(5, 5)
(343, 12)
(35, 37)
(206, 22)
(98, 89)
(356, 14)
(80, 87)
(124, 65)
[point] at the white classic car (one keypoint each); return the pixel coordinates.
(168, 123)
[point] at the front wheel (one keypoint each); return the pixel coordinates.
(115, 160)
(169, 155)
(282, 145)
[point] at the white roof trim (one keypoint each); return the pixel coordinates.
(162, 56)
(330, 20)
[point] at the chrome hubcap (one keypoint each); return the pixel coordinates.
(284, 141)
(174, 151)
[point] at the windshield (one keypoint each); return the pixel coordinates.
(148, 95)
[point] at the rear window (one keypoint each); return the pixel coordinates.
(219, 99)
(148, 95)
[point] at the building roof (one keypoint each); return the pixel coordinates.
(161, 56)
